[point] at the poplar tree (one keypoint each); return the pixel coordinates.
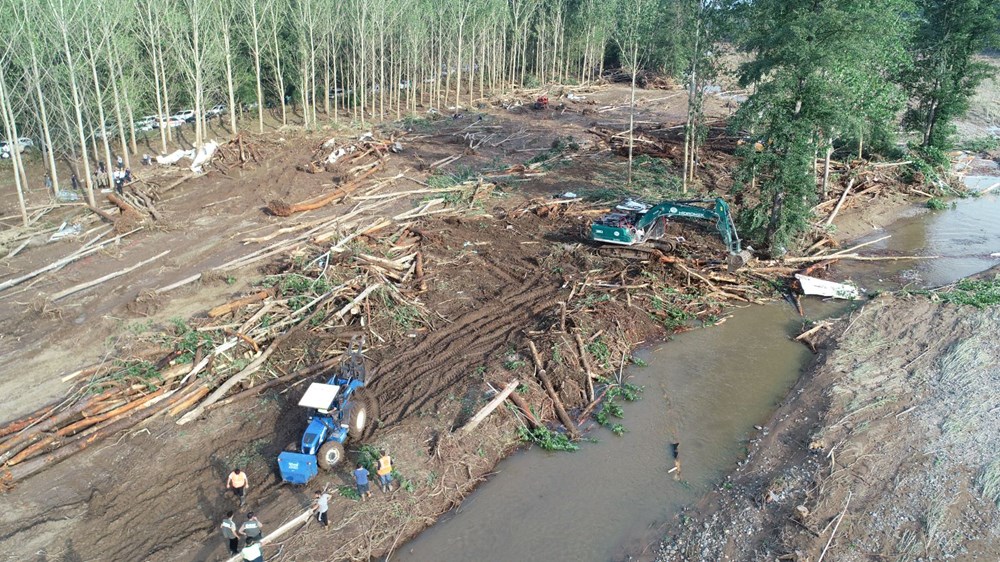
(802, 52)
(945, 72)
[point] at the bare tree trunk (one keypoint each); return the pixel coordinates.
(119, 117)
(100, 102)
(10, 131)
(826, 168)
(230, 88)
(49, 150)
(77, 106)
(631, 113)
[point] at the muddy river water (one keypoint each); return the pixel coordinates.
(704, 389)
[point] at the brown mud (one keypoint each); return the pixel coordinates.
(495, 277)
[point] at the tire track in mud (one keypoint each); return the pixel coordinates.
(412, 380)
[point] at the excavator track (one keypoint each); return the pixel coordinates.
(651, 250)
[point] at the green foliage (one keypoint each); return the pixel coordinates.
(349, 492)
(653, 180)
(611, 409)
(974, 292)
(443, 180)
(558, 147)
(368, 456)
(936, 204)
(981, 144)
(818, 71)
(943, 72)
(513, 364)
(601, 352)
(189, 340)
(404, 483)
(547, 439)
(299, 289)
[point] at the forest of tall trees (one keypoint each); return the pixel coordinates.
(80, 76)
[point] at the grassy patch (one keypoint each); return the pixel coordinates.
(989, 481)
(936, 204)
(974, 292)
(611, 408)
(547, 439)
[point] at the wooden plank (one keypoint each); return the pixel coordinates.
(489, 407)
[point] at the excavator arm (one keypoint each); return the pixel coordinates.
(719, 215)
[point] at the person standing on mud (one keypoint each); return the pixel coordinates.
(361, 481)
(385, 471)
(238, 482)
(251, 528)
(75, 182)
(321, 503)
(252, 552)
(230, 534)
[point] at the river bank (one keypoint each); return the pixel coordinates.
(885, 451)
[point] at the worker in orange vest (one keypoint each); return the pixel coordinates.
(384, 471)
(238, 483)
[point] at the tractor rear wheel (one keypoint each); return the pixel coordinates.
(330, 454)
(363, 415)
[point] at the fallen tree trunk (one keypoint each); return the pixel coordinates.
(556, 402)
(64, 261)
(489, 407)
(237, 304)
(77, 288)
(525, 410)
(250, 369)
(280, 208)
(298, 520)
(254, 391)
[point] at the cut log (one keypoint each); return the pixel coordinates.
(77, 288)
(303, 518)
(256, 390)
(237, 304)
(525, 410)
(282, 209)
(80, 442)
(488, 408)
(556, 401)
(250, 369)
(92, 421)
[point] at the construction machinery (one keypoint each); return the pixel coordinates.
(339, 409)
(636, 230)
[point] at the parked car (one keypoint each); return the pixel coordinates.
(216, 111)
(147, 123)
(185, 115)
(26, 142)
(5, 149)
(171, 122)
(99, 133)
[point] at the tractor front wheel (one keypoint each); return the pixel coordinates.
(330, 454)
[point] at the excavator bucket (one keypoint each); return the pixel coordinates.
(737, 261)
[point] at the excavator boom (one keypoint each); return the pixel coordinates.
(637, 226)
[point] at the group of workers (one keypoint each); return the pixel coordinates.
(251, 531)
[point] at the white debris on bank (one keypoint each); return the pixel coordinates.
(824, 288)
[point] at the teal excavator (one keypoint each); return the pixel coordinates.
(636, 230)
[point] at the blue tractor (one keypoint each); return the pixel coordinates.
(339, 409)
